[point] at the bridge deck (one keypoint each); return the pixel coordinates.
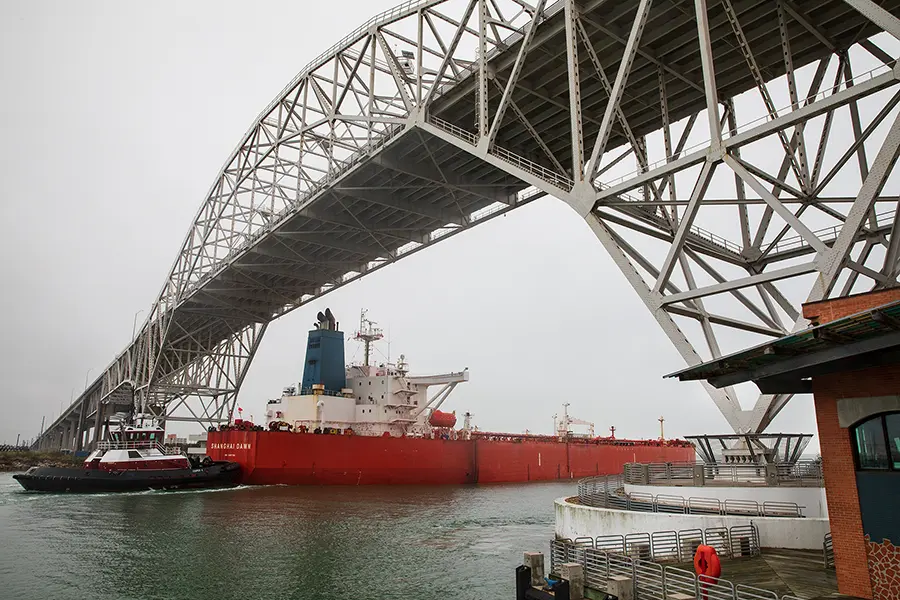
(669, 39)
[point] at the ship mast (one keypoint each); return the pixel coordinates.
(562, 426)
(367, 333)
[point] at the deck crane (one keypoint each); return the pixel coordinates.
(561, 426)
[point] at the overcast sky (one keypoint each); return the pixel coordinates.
(116, 118)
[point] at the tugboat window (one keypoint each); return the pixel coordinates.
(877, 443)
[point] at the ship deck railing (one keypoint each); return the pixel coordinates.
(308, 392)
(137, 445)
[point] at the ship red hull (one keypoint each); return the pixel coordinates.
(274, 457)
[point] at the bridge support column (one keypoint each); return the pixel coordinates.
(98, 422)
(79, 436)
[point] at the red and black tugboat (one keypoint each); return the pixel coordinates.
(133, 459)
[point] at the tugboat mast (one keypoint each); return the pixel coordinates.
(368, 333)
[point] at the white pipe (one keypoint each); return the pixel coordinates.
(319, 406)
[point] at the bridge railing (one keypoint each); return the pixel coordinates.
(536, 169)
(825, 234)
(551, 177)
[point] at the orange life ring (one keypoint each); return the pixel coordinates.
(706, 564)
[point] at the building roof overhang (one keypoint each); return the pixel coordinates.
(788, 364)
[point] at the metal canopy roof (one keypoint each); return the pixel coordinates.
(866, 339)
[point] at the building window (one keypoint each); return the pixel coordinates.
(877, 443)
(892, 427)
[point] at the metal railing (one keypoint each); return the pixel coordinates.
(640, 556)
(466, 136)
(137, 445)
(606, 491)
(667, 546)
(552, 177)
(825, 234)
(804, 473)
(828, 551)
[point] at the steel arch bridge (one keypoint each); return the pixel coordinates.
(732, 156)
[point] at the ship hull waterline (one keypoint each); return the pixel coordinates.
(52, 479)
(284, 458)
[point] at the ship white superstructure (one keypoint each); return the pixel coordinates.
(376, 400)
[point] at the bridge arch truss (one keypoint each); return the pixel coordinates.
(733, 157)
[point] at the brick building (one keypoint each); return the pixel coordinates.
(850, 360)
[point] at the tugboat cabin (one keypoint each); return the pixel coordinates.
(135, 448)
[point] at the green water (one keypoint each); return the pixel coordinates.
(273, 542)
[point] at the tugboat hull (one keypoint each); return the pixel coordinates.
(51, 479)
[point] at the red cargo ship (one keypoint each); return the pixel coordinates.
(367, 424)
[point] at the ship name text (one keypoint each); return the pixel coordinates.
(245, 446)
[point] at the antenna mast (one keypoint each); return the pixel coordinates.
(367, 333)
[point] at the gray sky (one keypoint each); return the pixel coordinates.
(116, 119)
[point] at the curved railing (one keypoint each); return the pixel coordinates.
(605, 491)
(804, 473)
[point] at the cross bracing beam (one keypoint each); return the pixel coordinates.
(401, 135)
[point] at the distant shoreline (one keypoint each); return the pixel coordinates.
(22, 461)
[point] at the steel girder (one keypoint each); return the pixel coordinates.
(440, 114)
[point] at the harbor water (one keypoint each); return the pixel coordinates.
(273, 542)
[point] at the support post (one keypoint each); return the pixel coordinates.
(79, 439)
(573, 572)
(709, 74)
(621, 587)
(535, 562)
(98, 421)
(577, 136)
